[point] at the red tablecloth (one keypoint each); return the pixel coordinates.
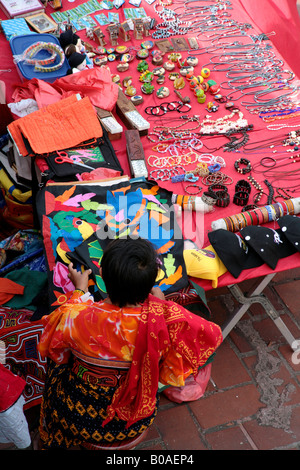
(265, 17)
(282, 17)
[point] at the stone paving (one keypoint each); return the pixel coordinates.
(253, 400)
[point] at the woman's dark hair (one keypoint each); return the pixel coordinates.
(129, 269)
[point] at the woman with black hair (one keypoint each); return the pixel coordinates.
(106, 358)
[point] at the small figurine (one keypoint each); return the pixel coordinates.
(113, 31)
(146, 26)
(124, 31)
(99, 35)
(138, 28)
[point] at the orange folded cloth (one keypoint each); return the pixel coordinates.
(60, 125)
(8, 289)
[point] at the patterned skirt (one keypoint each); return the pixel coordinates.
(74, 407)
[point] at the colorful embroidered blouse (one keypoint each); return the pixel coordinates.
(102, 333)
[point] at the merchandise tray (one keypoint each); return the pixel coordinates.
(19, 44)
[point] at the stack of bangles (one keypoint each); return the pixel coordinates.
(213, 163)
(220, 192)
(242, 192)
(178, 174)
(156, 161)
(217, 178)
(40, 65)
(260, 215)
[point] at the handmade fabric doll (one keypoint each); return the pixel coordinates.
(71, 42)
(77, 62)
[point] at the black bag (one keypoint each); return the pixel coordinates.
(95, 154)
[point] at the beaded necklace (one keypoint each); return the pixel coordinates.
(223, 124)
(163, 133)
(283, 140)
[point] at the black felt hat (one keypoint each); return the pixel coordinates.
(290, 228)
(235, 254)
(268, 243)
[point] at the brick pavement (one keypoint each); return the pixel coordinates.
(254, 403)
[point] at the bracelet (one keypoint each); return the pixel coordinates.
(241, 198)
(80, 290)
(196, 186)
(223, 198)
(179, 108)
(209, 198)
(43, 65)
(243, 185)
(202, 170)
(214, 168)
(177, 178)
(217, 187)
(243, 161)
(257, 197)
(249, 207)
(271, 191)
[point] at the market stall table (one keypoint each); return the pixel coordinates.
(241, 126)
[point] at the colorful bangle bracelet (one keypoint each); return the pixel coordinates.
(41, 65)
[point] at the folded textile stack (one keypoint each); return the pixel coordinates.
(61, 125)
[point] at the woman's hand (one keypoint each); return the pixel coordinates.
(79, 279)
(158, 293)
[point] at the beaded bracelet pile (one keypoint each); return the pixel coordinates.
(168, 162)
(205, 163)
(258, 216)
(41, 65)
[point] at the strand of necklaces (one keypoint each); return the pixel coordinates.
(271, 143)
(277, 170)
(163, 133)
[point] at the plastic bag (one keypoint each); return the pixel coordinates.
(193, 389)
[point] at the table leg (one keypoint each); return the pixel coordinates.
(257, 297)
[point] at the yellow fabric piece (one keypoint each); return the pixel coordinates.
(6, 184)
(204, 264)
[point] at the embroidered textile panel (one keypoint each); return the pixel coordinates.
(20, 337)
(78, 221)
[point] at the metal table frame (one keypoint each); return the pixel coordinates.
(257, 296)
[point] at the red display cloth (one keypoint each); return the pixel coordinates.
(267, 19)
(282, 18)
(93, 83)
(11, 387)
